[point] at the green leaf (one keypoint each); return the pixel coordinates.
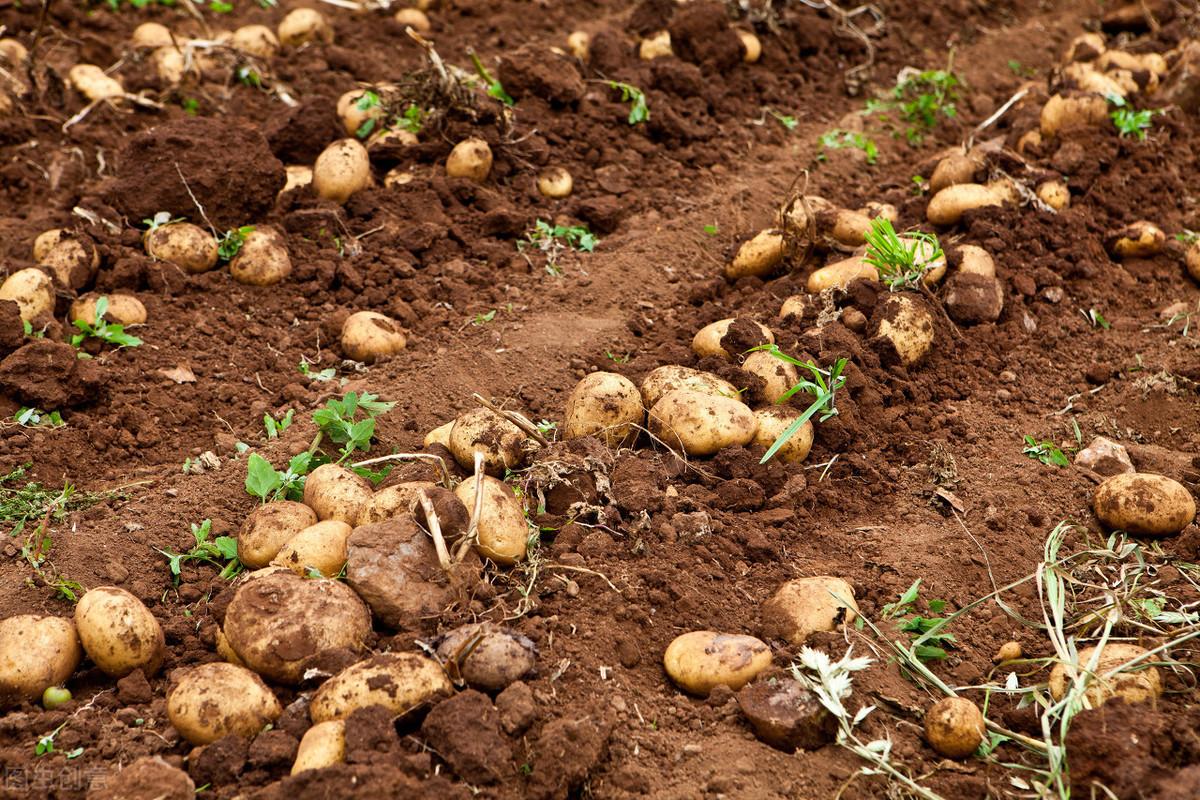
(227, 547)
(261, 478)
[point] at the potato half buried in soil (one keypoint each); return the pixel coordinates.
(805, 606)
(700, 661)
(484, 431)
(954, 727)
(727, 338)
(605, 405)
(268, 528)
(904, 328)
(1141, 683)
(323, 745)
(368, 336)
(32, 290)
(123, 309)
(263, 259)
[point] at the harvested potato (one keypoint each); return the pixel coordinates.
(1140, 683)
(323, 745)
(1192, 260)
(1062, 114)
(268, 528)
(263, 259)
(751, 46)
(400, 682)
(1009, 651)
(700, 661)
(13, 52)
(342, 169)
(1086, 47)
(1139, 239)
(656, 45)
(123, 309)
(664, 380)
(975, 260)
(471, 159)
(579, 43)
(277, 623)
(72, 260)
(710, 340)
(45, 242)
(876, 210)
(169, 64)
(841, 274)
(186, 245)
(948, 206)
(805, 606)
(298, 176)
(36, 653)
(956, 168)
(758, 256)
(1030, 141)
(368, 336)
(212, 701)
(701, 424)
(32, 290)
(225, 650)
(905, 325)
(1086, 78)
(503, 534)
(848, 227)
(1054, 194)
(256, 40)
(1144, 504)
(150, 35)
(778, 376)
(439, 435)
(804, 214)
(304, 25)
(606, 405)
(320, 547)
(94, 84)
(397, 176)
(487, 657)
(414, 18)
(392, 501)
(118, 632)
(555, 182)
(335, 492)
(1152, 63)
(954, 727)
(353, 115)
(772, 422)
(482, 430)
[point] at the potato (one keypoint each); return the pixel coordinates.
(555, 182)
(804, 606)
(710, 340)
(1054, 194)
(1030, 140)
(256, 40)
(772, 422)
(368, 336)
(1192, 260)
(487, 657)
(46, 241)
(1139, 684)
(758, 256)
(1139, 239)
(212, 701)
(850, 227)
(656, 45)
(72, 260)
(335, 492)
(1144, 504)
(304, 25)
(1086, 47)
(150, 35)
(353, 117)
(501, 442)
(1009, 651)
(169, 64)
(392, 501)
(1153, 63)
(268, 528)
(1085, 78)
(664, 380)
(225, 650)
(948, 206)
(298, 176)
(36, 652)
(391, 137)
(1071, 113)
(976, 261)
(400, 682)
(277, 623)
(92, 82)
(186, 245)
(503, 533)
(342, 169)
(700, 661)
(471, 159)
(841, 274)
(123, 309)
(323, 745)
(751, 46)
(263, 259)
(877, 210)
(778, 375)
(439, 435)
(13, 52)
(605, 405)
(905, 324)
(118, 632)
(805, 211)
(701, 424)
(954, 727)
(414, 18)
(579, 43)
(397, 176)
(32, 290)
(956, 168)
(320, 547)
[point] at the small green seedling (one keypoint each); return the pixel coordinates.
(552, 240)
(267, 483)
(327, 374)
(547, 428)
(786, 120)
(710, 230)
(1095, 319)
(366, 102)
(107, 332)
(482, 319)
(160, 219)
(638, 111)
(838, 139)
(897, 260)
(248, 76)
(337, 421)
(1128, 120)
(922, 100)
(275, 427)
(616, 359)
(411, 120)
(229, 244)
(220, 552)
(220, 6)
(494, 87)
(34, 418)
(823, 387)
(1045, 451)
(45, 745)
(927, 629)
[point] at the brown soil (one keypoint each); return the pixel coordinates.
(666, 546)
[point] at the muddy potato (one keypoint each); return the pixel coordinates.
(263, 259)
(1139, 239)
(850, 227)
(471, 159)
(772, 422)
(36, 653)
(841, 274)
(751, 46)
(32, 290)
(268, 528)
(666, 379)
(974, 260)
(150, 35)
(1086, 47)
(414, 18)
(304, 25)
(225, 650)
(1086, 78)
(805, 606)
(1054, 194)
(803, 214)
(92, 82)
(1031, 140)
(954, 727)
(439, 435)
(708, 341)
(956, 168)
(579, 43)
(503, 534)
(212, 701)
(906, 325)
(876, 210)
(487, 657)
(118, 632)
(342, 169)
(605, 405)
(368, 336)
(1009, 651)
(334, 492)
(13, 52)
(320, 547)
(123, 309)
(298, 176)
(169, 64)
(758, 256)
(390, 137)
(392, 501)
(555, 182)
(778, 376)
(1139, 684)
(184, 244)
(501, 442)
(1152, 63)
(656, 45)
(1144, 504)
(352, 116)
(72, 260)
(700, 661)
(1071, 113)
(277, 623)
(323, 745)
(400, 682)
(948, 206)
(1192, 260)
(46, 241)
(701, 424)
(256, 40)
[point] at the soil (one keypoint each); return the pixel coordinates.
(921, 474)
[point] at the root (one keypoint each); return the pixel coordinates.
(516, 419)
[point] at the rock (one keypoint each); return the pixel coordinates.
(147, 778)
(972, 298)
(1104, 457)
(134, 689)
(786, 715)
(465, 731)
(393, 567)
(49, 375)
(517, 708)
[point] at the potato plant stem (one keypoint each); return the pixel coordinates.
(435, 530)
(516, 419)
(446, 480)
(473, 527)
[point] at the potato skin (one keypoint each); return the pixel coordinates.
(439, 435)
(72, 261)
(555, 182)
(118, 632)
(486, 656)
(976, 261)
(414, 18)
(606, 405)
(470, 159)
(1138, 685)
(1144, 504)
(805, 606)
(150, 35)
(268, 528)
(391, 501)
(700, 424)
(92, 82)
(708, 341)
(1140, 239)
(664, 380)
(263, 259)
(700, 661)
(321, 547)
(32, 290)
(1070, 113)
(184, 244)
(334, 492)
(956, 168)
(500, 441)
(123, 309)
(368, 336)
(400, 682)
(840, 274)
(257, 40)
(323, 745)
(342, 169)
(772, 422)
(954, 727)
(36, 652)
(503, 534)
(214, 700)
(758, 256)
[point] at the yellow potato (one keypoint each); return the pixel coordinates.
(850, 227)
(268, 528)
(320, 547)
(32, 290)
(772, 422)
(225, 649)
(13, 52)
(606, 405)
(323, 745)
(501, 442)
(298, 176)
(804, 606)
(36, 652)
(72, 260)
(758, 256)
(701, 424)
(1029, 141)
(184, 244)
(954, 727)
(956, 168)
(503, 532)
(256, 40)
(439, 435)
(1054, 194)
(342, 169)
(471, 159)
(335, 492)
(841, 274)
(877, 210)
(1192, 260)
(391, 501)
(1009, 651)
(123, 309)
(664, 380)
(1085, 78)
(700, 661)
(1144, 504)
(906, 324)
(368, 336)
(118, 632)
(657, 45)
(1086, 47)
(169, 64)
(579, 43)
(212, 701)
(1154, 63)
(46, 241)
(400, 682)
(975, 260)
(1062, 114)
(304, 25)
(948, 206)
(1140, 239)
(150, 35)
(263, 259)
(92, 82)
(751, 46)
(708, 341)
(555, 182)
(414, 18)
(778, 375)
(1139, 684)
(352, 116)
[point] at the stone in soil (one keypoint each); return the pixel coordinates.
(786, 715)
